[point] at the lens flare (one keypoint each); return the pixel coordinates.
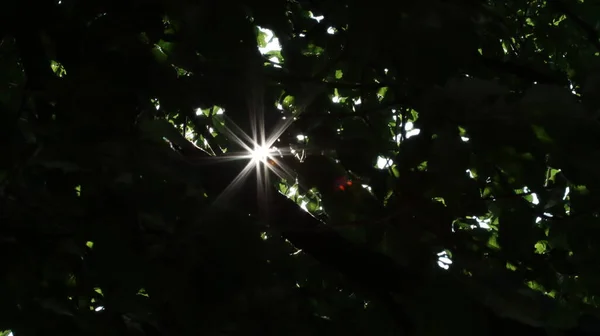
(259, 147)
(261, 154)
(263, 157)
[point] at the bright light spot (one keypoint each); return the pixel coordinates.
(316, 18)
(100, 308)
(331, 30)
(413, 132)
(292, 191)
(383, 163)
(534, 198)
(442, 265)
(483, 223)
(465, 139)
(409, 128)
(300, 137)
(256, 148)
(470, 173)
(275, 61)
(335, 99)
(207, 112)
(260, 153)
(156, 103)
(368, 187)
(357, 101)
(444, 260)
(272, 42)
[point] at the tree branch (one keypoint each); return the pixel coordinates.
(591, 33)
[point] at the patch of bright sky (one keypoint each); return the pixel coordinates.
(272, 44)
(410, 131)
(484, 223)
(316, 18)
(156, 103)
(535, 201)
(444, 260)
(534, 198)
(383, 162)
(199, 111)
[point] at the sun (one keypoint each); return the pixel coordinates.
(260, 153)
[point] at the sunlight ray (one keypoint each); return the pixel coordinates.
(258, 147)
(262, 187)
(279, 129)
(261, 156)
(234, 185)
(281, 170)
(236, 133)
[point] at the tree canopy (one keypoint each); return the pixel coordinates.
(300, 167)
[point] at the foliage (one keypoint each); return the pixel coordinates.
(439, 172)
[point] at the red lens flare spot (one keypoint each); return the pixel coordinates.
(342, 182)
